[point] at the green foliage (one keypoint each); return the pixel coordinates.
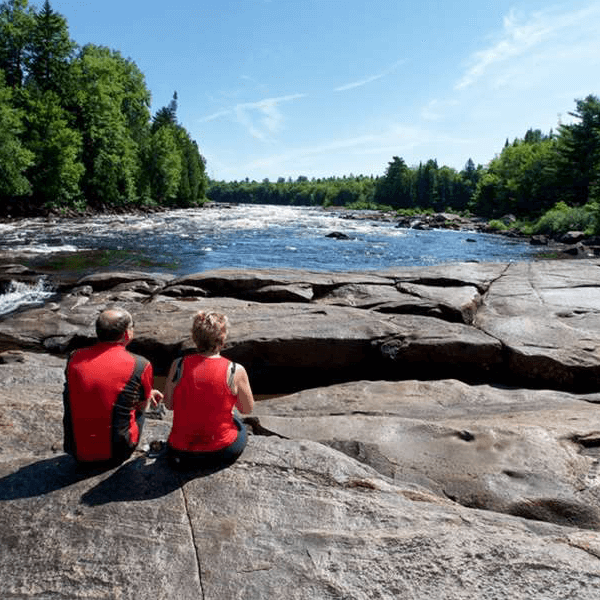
(17, 21)
(111, 104)
(530, 176)
(497, 225)
(521, 180)
(175, 167)
(427, 186)
(395, 187)
(57, 169)
(579, 153)
(562, 218)
(75, 127)
(163, 163)
(362, 205)
(333, 191)
(414, 212)
(14, 157)
(50, 50)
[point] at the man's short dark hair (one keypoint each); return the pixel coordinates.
(112, 323)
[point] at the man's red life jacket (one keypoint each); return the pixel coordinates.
(106, 391)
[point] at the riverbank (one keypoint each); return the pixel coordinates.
(574, 244)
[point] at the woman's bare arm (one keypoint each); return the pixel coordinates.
(245, 398)
(170, 386)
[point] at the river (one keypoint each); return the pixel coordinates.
(252, 236)
(237, 236)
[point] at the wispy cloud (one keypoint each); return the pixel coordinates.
(366, 80)
(261, 119)
(396, 139)
(435, 109)
(521, 37)
(217, 115)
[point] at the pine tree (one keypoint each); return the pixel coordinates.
(16, 24)
(50, 52)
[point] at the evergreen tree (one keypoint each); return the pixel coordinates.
(395, 188)
(579, 152)
(189, 178)
(50, 52)
(167, 115)
(193, 183)
(163, 165)
(16, 24)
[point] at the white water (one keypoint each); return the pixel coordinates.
(21, 294)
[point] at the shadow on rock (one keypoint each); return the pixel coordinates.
(44, 477)
(555, 510)
(139, 479)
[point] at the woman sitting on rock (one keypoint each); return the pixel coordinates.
(202, 390)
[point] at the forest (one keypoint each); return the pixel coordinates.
(77, 134)
(550, 182)
(75, 125)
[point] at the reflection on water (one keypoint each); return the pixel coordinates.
(249, 236)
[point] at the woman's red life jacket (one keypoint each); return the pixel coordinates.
(202, 406)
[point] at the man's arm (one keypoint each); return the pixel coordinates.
(151, 394)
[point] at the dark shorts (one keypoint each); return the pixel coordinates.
(219, 459)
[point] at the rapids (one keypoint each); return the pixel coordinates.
(246, 236)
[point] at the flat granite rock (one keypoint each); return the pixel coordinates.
(444, 444)
(297, 518)
(523, 452)
(527, 324)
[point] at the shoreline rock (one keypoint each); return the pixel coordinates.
(527, 324)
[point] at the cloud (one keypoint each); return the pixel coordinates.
(360, 83)
(261, 119)
(434, 110)
(543, 34)
(217, 115)
(366, 80)
(394, 140)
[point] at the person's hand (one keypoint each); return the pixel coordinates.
(155, 398)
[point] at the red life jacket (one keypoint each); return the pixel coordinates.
(202, 406)
(106, 389)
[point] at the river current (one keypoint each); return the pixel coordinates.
(241, 236)
(252, 236)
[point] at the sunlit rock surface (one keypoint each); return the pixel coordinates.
(531, 324)
(437, 445)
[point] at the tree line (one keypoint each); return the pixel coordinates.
(76, 128)
(402, 187)
(530, 177)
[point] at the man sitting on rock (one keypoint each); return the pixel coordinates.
(106, 392)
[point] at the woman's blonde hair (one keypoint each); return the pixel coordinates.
(209, 331)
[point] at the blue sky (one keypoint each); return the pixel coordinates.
(282, 88)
